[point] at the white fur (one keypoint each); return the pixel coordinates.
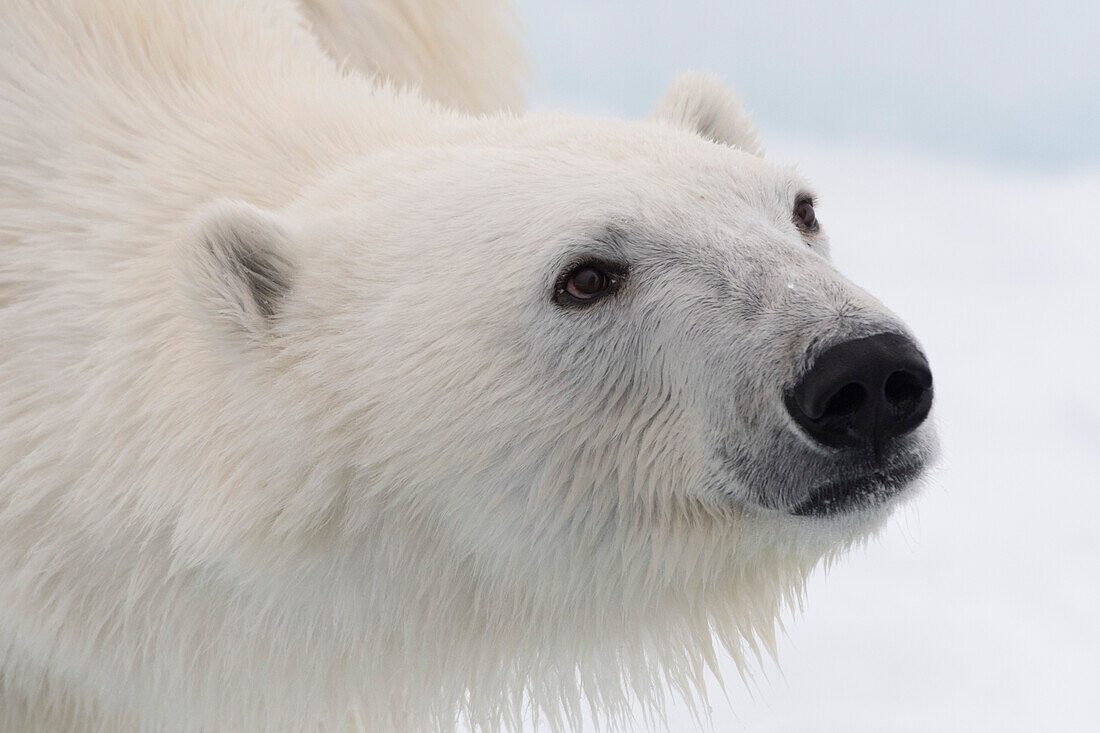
(410, 487)
(462, 53)
(701, 102)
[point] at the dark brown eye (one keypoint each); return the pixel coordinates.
(587, 283)
(804, 215)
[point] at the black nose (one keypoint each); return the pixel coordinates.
(864, 392)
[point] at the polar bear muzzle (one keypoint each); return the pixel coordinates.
(859, 397)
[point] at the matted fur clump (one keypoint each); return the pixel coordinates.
(327, 406)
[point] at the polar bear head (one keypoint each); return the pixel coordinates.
(561, 394)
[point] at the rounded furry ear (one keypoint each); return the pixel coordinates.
(703, 104)
(237, 270)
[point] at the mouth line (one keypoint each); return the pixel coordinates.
(843, 496)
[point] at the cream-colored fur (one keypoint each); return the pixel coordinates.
(293, 436)
(462, 53)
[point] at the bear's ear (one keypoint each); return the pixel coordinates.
(702, 104)
(237, 271)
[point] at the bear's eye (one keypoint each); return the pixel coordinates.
(804, 216)
(586, 283)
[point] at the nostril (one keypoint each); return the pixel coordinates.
(903, 389)
(847, 401)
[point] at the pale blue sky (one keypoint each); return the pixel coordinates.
(1016, 84)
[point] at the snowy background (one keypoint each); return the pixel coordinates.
(956, 148)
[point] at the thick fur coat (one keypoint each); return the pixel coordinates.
(294, 435)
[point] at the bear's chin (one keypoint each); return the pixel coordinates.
(872, 491)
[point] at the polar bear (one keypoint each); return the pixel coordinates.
(330, 406)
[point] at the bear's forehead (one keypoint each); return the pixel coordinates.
(647, 152)
(707, 180)
(574, 179)
(712, 184)
(658, 200)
